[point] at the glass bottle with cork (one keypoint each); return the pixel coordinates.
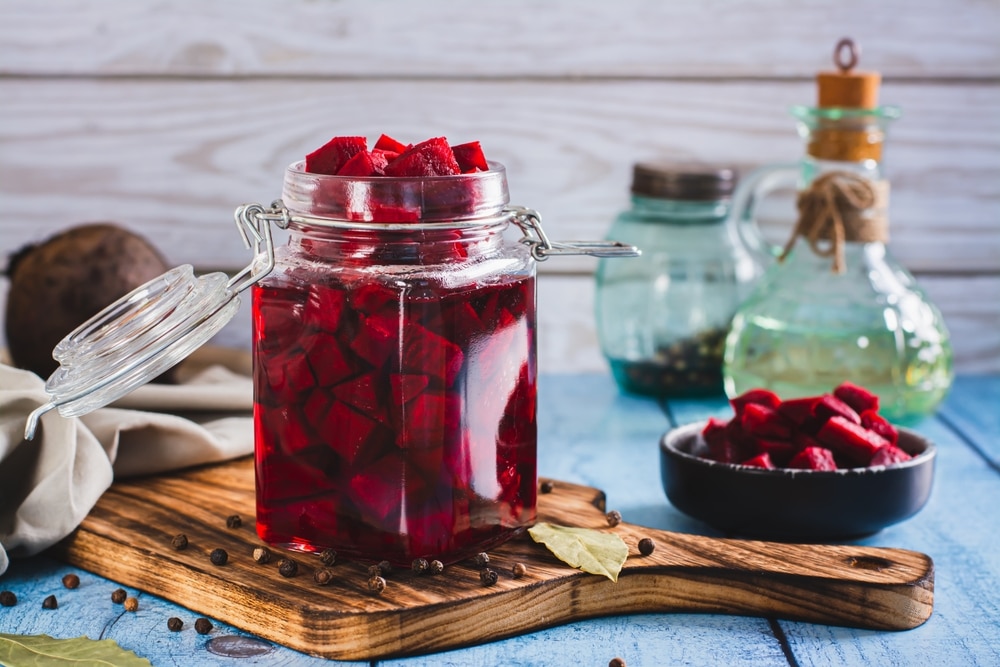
(837, 306)
(662, 318)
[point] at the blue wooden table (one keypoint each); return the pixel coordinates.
(591, 434)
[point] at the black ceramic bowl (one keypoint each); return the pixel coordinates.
(800, 505)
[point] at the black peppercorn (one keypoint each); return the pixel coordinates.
(233, 521)
(376, 585)
(203, 626)
(482, 559)
(118, 595)
(262, 555)
(420, 565)
(218, 557)
(71, 581)
(174, 624)
(385, 566)
(328, 557)
(50, 603)
(616, 662)
(614, 518)
(7, 599)
(435, 567)
(488, 576)
(646, 546)
(374, 571)
(131, 604)
(546, 486)
(518, 570)
(288, 567)
(323, 576)
(180, 542)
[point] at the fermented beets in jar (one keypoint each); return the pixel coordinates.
(394, 369)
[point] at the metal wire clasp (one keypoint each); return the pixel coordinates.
(542, 248)
(253, 222)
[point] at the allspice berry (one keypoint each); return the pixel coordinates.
(614, 518)
(7, 599)
(328, 557)
(118, 595)
(488, 576)
(203, 626)
(180, 542)
(323, 576)
(262, 555)
(435, 567)
(616, 662)
(175, 624)
(518, 570)
(50, 603)
(646, 546)
(71, 581)
(288, 567)
(219, 556)
(234, 521)
(131, 604)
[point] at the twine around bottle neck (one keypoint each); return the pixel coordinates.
(841, 207)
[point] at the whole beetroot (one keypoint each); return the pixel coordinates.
(60, 283)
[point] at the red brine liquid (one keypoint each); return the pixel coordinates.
(394, 420)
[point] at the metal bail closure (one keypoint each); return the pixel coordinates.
(530, 222)
(155, 326)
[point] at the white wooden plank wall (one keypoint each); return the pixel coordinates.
(165, 116)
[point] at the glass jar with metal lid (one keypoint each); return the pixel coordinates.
(662, 319)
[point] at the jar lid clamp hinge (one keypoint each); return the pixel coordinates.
(530, 222)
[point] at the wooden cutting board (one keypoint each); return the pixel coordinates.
(127, 538)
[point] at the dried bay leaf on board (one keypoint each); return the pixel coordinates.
(590, 550)
(79, 652)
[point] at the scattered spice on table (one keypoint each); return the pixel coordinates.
(219, 556)
(482, 559)
(616, 662)
(71, 580)
(488, 576)
(50, 602)
(288, 567)
(131, 604)
(518, 570)
(546, 486)
(436, 567)
(7, 599)
(646, 546)
(323, 576)
(614, 518)
(174, 624)
(385, 567)
(233, 521)
(420, 565)
(328, 557)
(203, 626)
(376, 585)
(118, 595)
(262, 555)
(180, 542)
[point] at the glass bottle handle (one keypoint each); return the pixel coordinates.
(751, 190)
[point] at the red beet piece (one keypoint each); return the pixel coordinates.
(387, 143)
(431, 416)
(362, 394)
(759, 461)
(853, 441)
(763, 397)
(428, 158)
(360, 164)
(324, 306)
(346, 430)
(378, 489)
(470, 157)
(873, 421)
(831, 406)
(780, 451)
(763, 422)
(888, 455)
(329, 363)
(714, 432)
(405, 387)
(798, 410)
(370, 298)
(331, 156)
(377, 339)
(427, 353)
(813, 458)
(381, 159)
(859, 398)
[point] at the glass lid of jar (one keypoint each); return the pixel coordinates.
(152, 328)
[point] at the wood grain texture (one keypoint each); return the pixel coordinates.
(127, 535)
(520, 38)
(172, 159)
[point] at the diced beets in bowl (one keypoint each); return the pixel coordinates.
(779, 451)
(763, 422)
(763, 397)
(760, 461)
(831, 406)
(798, 410)
(331, 156)
(888, 455)
(876, 423)
(859, 398)
(813, 458)
(853, 441)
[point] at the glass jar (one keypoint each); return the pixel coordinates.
(807, 328)
(662, 319)
(394, 370)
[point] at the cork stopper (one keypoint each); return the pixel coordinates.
(847, 88)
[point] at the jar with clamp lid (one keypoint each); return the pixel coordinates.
(662, 319)
(394, 360)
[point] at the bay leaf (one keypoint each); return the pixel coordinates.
(38, 650)
(586, 549)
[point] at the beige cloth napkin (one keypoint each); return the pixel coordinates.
(49, 484)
